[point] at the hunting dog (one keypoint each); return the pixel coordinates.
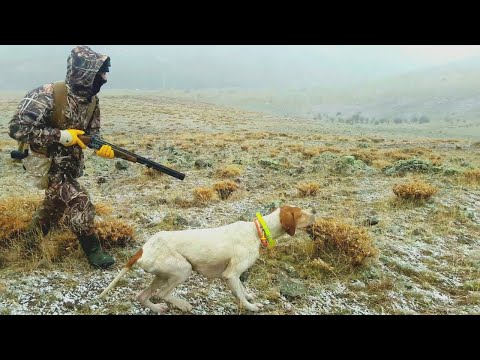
(222, 252)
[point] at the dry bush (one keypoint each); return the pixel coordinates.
(331, 235)
(225, 188)
(229, 171)
(414, 190)
(114, 233)
(472, 176)
(15, 215)
(203, 195)
(308, 189)
(103, 209)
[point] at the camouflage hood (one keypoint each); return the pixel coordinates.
(82, 67)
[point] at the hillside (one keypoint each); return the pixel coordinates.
(375, 248)
(447, 92)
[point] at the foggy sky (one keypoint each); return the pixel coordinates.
(23, 67)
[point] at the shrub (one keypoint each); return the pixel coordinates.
(414, 190)
(308, 189)
(225, 188)
(203, 195)
(229, 171)
(331, 235)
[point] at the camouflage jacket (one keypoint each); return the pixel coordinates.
(31, 121)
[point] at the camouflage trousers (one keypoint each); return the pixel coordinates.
(66, 198)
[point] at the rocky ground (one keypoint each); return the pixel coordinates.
(428, 258)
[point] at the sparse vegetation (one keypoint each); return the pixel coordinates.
(472, 176)
(414, 259)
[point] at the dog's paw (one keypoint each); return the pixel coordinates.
(254, 307)
(184, 305)
(159, 308)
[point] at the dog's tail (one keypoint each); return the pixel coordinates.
(127, 267)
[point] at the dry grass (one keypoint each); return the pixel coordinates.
(229, 171)
(396, 155)
(472, 176)
(295, 147)
(308, 189)
(333, 235)
(103, 209)
(274, 152)
(381, 163)
(203, 195)
(183, 202)
(16, 214)
(225, 188)
(114, 233)
(447, 219)
(436, 160)
(367, 156)
(58, 245)
(311, 152)
(150, 173)
(414, 190)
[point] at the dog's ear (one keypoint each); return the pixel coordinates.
(287, 219)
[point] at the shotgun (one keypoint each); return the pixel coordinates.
(95, 142)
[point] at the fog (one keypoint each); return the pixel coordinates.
(225, 66)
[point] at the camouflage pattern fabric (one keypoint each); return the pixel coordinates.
(66, 197)
(31, 124)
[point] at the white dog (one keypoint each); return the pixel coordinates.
(222, 252)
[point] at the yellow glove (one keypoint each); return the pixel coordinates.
(69, 137)
(106, 152)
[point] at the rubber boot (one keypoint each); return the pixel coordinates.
(95, 256)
